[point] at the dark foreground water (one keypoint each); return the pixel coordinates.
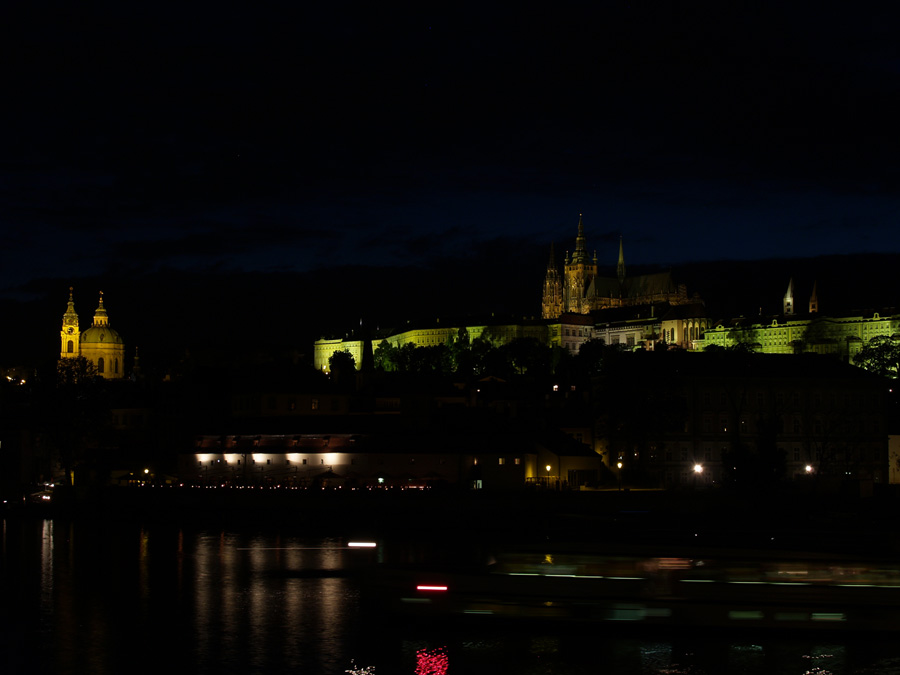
(87, 597)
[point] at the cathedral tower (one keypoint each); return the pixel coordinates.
(70, 335)
(580, 272)
(552, 302)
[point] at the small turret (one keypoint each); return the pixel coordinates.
(814, 301)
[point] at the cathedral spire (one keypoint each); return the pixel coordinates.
(789, 298)
(620, 268)
(580, 255)
(814, 301)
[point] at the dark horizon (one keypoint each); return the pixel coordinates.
(302, 140)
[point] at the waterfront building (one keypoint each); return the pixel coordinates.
(391, 458)
(100, 344)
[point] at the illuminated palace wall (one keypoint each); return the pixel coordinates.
(636, 327)
(430, 336)
(836, 336)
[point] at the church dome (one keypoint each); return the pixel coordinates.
(101, 335)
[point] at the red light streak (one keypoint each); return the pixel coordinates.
(431, 662)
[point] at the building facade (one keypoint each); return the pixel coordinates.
(790, 332)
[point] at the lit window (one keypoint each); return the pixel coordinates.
(518, 460)
(502, 461)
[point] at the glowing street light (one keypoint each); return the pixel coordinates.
(698, 468)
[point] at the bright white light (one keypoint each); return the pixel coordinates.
(431, 588)
(361, 544)
(808, 468)
(698, 468)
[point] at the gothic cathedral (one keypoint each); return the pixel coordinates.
(581, 289)
(99, 344)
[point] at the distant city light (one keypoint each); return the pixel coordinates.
(361, 544)
(430, 588)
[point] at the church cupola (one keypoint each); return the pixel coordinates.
(100, 316)
(70, 333)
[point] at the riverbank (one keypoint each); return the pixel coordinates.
(630, 518)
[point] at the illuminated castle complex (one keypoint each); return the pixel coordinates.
(99, 344)
(581, 289)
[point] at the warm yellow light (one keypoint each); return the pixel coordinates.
(548, 468)
(619, 465)
(146, 470)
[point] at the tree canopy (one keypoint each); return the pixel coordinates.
(880, 355)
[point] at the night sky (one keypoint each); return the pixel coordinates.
(358, 151)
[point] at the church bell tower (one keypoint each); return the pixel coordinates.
(70, 334)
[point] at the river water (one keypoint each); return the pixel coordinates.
(113, 597)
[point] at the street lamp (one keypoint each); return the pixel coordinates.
(548, 476)
(619, 466)
(698, 469)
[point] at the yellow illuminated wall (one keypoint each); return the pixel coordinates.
(837, 336)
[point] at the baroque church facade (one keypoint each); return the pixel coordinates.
(99, 344)
(580, 289)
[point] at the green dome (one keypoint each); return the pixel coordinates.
(101, 335)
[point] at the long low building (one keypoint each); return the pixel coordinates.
(390, 460)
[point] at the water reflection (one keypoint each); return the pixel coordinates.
(95, 598)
